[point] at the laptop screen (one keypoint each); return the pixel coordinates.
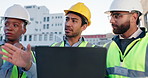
(70, 62)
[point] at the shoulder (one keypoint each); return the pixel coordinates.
(56, 44)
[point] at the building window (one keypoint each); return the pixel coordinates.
(61, 24)
(60, 32)
(47, 19)
(55, 32)
(44, 19)
(36, 22)
(21, 38)
(28, 7)
(45, 37)
(44, 26)
(25, 37)
(47, 26)
(30, 37)
(50, 37)
(35, 37)
(31, 19)
(1, 38)
(40, 37)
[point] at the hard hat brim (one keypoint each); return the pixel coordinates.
(28, 22)
(108, 12)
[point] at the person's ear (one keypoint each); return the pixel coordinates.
(134, 17)
(24, 30)
(84, 27)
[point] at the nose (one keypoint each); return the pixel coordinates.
(112, 20)
(9, 27)
(68, 23)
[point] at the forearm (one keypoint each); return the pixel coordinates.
(32, 72)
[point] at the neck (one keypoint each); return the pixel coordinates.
(129, 32)
(11, 41)
(73, 40)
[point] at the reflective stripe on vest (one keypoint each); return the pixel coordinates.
(15, 71)
(83, 44)
(135, 64)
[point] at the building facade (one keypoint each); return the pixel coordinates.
(145, 13)
(99, 39)
(45, 28)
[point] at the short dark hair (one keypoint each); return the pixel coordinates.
(83, 18)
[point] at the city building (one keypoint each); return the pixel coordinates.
(145, 13)
(99, 39)
(45, 28)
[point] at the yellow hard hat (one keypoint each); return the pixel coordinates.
(81, 9)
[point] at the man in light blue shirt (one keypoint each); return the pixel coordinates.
(77, 20)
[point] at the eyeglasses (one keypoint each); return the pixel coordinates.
(117, 15)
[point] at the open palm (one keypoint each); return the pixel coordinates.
(17, 56)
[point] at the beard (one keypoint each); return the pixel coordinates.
(122, 28)
(72, 35)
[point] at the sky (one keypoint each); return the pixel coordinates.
(99, 21)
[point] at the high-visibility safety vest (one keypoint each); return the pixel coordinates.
(83, 44)
(134, 62)
(15, 70)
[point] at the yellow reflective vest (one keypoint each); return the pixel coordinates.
(134, 62)
(83, 44)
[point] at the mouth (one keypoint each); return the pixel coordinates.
(8, 34)
(114, 26)
(68, 30)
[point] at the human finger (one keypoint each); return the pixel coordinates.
(28, 48)
(7, 49)
(8, 59)
(6, 54)
(10, 46)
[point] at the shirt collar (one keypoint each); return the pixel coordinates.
(74, 45)
(135, 35)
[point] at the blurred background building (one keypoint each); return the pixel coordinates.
(47, 28)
